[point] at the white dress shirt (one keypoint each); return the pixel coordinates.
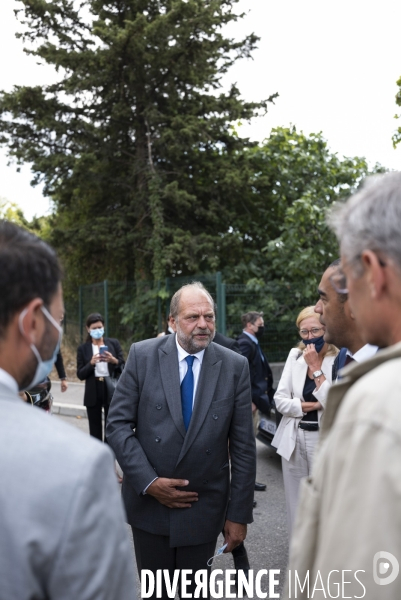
(101, 368)
(364, 353)
(183, 365)
(8, 381)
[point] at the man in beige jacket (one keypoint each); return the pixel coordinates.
(347, 535)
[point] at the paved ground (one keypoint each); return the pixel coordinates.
(267, 541)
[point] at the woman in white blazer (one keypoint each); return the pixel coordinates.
(300, 397)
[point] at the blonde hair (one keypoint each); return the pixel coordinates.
(309, 311)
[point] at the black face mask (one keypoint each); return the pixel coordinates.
(260, 331)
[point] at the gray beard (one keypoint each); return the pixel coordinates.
(189, 344)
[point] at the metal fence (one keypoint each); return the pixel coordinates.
(138, 310)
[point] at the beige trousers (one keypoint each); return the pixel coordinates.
(295, 469)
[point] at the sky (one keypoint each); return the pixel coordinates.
(334, 66)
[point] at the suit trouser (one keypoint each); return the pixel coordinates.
(95, 412)
(255, 421)
(153, 552)
(295, 469)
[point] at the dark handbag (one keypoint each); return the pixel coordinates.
(111, 383)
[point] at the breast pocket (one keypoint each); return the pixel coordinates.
(219, 402)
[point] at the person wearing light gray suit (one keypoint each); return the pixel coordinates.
(62, 531)
(176, 487)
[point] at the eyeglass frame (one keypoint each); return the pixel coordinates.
(309, 331)
(341, 275)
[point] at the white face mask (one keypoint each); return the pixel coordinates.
(44, 366)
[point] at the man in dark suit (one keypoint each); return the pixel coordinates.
(180, 403)
(260, 371)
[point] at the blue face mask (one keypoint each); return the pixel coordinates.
(44, 366)
(96, 334)
(317, 342)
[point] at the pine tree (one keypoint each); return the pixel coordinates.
(134, 143)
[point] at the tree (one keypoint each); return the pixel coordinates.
(292, 180)
(10, 211)
(134, 142)
(397, 134)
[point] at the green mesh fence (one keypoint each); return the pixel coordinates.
(134, 311)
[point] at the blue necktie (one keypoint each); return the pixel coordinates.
(187, 392)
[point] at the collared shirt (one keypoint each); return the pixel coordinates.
(183, 368)
(364, 353)
(8, 381)
(255, 339)
(183, 365)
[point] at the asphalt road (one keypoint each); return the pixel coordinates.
(267, 540)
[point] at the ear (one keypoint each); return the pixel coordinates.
(32, 321)
(173, 323)
(375, 273)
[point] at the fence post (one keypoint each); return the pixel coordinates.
(80, 314)
(222, 317)
(167, 283)
(159, 309)
(219, 298)
(106, 308)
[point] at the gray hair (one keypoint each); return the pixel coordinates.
(175, 300)
(371, 219)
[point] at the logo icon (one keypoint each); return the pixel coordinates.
(385, 568)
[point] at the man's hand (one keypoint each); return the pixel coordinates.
(64, 385)
(234, 534)
(254, 407)
(164, 490)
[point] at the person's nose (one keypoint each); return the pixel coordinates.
(318, 307)
(202, 322)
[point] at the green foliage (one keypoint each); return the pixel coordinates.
(397, 134)
(10, 211)
(293, 180)
(134, 143)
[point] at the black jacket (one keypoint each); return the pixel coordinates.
(260, 372)
(59, 364)
(87, 371)
(227, 342)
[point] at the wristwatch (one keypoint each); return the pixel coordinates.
(317, 374)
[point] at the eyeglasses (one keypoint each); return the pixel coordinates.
(304, 333)
(339, 280)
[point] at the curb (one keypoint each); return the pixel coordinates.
(69, 410)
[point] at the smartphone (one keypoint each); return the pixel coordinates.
(103, 349)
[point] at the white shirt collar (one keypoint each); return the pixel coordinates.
(364, 353)
(8, 381)
(253, 337)
(182, 354)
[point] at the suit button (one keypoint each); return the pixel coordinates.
(265, 378)
(158, 439)
(205, 481)
(215, 417)
(208, 451)
(158, 406)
